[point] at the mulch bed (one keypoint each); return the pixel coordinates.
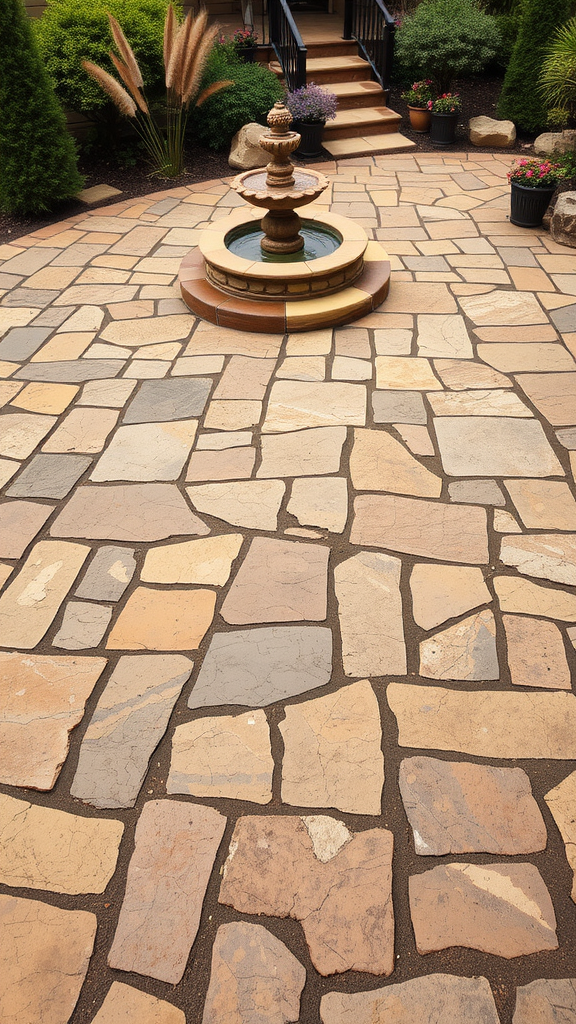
(479, 96)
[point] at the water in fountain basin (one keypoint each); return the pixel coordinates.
(319, 240)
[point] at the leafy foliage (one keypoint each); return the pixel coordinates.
(558, 77)
(536, 173)
(37, 155)
(254, 92)
(445, 39)
(521, 100)
(71, 31)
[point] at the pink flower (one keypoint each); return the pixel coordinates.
(529, 174)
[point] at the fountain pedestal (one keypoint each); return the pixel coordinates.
(286, 273)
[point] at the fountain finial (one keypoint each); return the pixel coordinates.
(279, 119)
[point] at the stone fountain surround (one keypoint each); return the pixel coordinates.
(281, 297)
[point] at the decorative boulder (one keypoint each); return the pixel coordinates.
(485, 131)
(563, 220)
(555, 143)
(245, 153)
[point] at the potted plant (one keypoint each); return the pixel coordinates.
(417, 99)
(532, 184)
(245, 42)
(445, 110)
(311, 107)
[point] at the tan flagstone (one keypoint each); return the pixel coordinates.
(500, 308)
(29, 604)
(504, 522)
(44, 960)
(379, 462)
(279, 581)
(450, 533)
(208, 561)
(402, 373)
(310, 343)
(332, 755)
(466, 650)
(393, 342)
(549, 556)
(526, 598)
(411, 297)
(250, 503)
(536, 653)
(43, 848)
(106, 393)
(532, 357)
(227, 756)
(131, 1005)
(245, 378)
(320, 502)
(166, 350)
(543, 504)
(553, 394)
(64, 346)
(21, 432)
(441, 592)
(83, 430)
(370, 614)
(461, 375)
(561, 800)
(302, 368)
(163, 620)
(294, 405)
(46, 398)
(302, 453)
(146, 451)
(232, 414)
(485, 723)
(433, 997)
(540, 1000)
(213, 341)
(133, 512)
(148, 330)
(444, 337)
(494, 446)
(478, 403)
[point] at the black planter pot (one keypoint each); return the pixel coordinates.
(248, 53)
(443, 129)
(528, 205)
(311, 140)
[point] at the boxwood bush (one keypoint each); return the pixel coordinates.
(37, 155)
(71, 31)
(446, 39)
(254, 92)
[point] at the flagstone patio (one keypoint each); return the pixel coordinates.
(288, 625)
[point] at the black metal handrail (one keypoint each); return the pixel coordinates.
(287, 43)
(373, 27)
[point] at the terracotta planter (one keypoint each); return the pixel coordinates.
(443, 129)
(311, 138)
(420, 118)
(528, 205)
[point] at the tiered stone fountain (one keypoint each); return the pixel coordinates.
(283, 273)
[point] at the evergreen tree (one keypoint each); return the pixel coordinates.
(37, 155)
(521, 100)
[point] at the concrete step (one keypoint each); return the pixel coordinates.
(362, 121)
(352, 95)
(371, 145)
(325, 70)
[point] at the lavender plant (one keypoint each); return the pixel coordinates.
(311, 104)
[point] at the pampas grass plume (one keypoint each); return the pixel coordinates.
(117, 94)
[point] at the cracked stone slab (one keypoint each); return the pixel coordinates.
(332, 751)
(321, 502)
(499, 307)
(108, 574)
(228, 756)
(519, 595)
(427, 1000)
(175, 847)
(127, 512)
(107, 393)
(503, 909)
(302, 453)
(128, 722)
(444, 337)
(22, 432)
(480, 402)
(42, 698)
(494, 446)
(549, 556)
(344, 903)
(295, 404)
(30, 603)
(132, 1006)
(83, 625)
(43, 848)
(454, 807)
(227, 464)
(441, 592)
(553, 394)
(460, 376)
(49, 476)
(20, 521)
(543, 504)
(253, 978)
(245, 377)
(536, 653)
(208, 560)
(562, 800)
(257, 667)
(253, 504)
(466, 650)
(163, 620)
(44, 960)
(279, 581)
(370, 614)
(159, 401)
(147, 451)
(83, 430)
(485, 723)
(379, 462)
(452, 533)
(546, 1001)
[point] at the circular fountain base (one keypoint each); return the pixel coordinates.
(267, 293)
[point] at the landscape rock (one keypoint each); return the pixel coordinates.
(563, 219)
(245, 151)
(486, 131)
(555, 143)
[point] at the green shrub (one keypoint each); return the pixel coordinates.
(558, 76)
(521, 100)
(37, 155)
(445, 39)
(71, 31)
(254, 92)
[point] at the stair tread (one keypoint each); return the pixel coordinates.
(350, 89)
(393, 142)
(331, 63)
(358, 116)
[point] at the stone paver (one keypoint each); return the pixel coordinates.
(365, 538)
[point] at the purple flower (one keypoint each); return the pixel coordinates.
(311, 104)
